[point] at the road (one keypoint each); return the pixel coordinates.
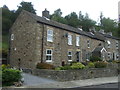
(35, 80)
(108, 85)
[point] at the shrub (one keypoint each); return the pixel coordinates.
(95, 58)
(77, 66)
(100, 64)
(116, 61)
(9, 76)
(91, 65)
(73, 62)
(67, 67)
(5, 66)
(44, 66)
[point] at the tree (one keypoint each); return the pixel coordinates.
(57, 16)
(25, 6)
(85, 21)
(72, 19)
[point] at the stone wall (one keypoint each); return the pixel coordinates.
(68, 75)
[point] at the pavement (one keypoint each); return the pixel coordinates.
(39, 82)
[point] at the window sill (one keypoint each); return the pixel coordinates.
(48, 60)
(69, 60)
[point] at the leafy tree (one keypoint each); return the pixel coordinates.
(72, 19)
(57, 16)
(25, 6)
(85, 21)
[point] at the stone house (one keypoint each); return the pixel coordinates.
(36, 39)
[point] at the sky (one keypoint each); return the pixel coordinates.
(109, 8)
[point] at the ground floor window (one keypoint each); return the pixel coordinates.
(109, 55)
(69, 55)
(49, 55)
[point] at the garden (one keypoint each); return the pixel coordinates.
(95, 62)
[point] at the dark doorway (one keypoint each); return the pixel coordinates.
(78, 56)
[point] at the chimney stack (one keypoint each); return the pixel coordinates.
(109, 33)
(102, 31)
(45, 14)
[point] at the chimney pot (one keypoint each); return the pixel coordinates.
(45, 13)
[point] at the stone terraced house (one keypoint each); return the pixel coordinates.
(36, 39)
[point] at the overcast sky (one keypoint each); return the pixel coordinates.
(92, 7)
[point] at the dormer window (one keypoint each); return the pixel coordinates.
(12, 36)
(69, 39)
(50, 35)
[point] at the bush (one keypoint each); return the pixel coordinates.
(91, 65)
(100, 64)
(9, 76)
(77, 66)
(5, 66)
(116, 61)
(44, 66)
(95, 58)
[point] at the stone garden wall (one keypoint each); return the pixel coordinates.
(68, 75)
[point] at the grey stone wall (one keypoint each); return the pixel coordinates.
(68, 75)
(24, 47)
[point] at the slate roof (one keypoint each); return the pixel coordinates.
(64, 26)
(97, 49)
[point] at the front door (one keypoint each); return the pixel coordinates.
(78, 56)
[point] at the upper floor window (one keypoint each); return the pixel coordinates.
(50, 35)
(69, 39)
(12, 36)
(88, 43)
(69, 55)
(77, 41)
(108, 43)
(49, 55)
(117, 45)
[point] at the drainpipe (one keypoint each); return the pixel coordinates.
(42, 44)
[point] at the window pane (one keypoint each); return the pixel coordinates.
(48, 51)
(69, 39)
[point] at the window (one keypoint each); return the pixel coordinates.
(12, 36)
(108, 43)
(88, 43)
(77, 41)
(69, 39)
(117, 45)
(49, 55)
(109, 55)
(50, 35)
(69, 55)
(117, 56)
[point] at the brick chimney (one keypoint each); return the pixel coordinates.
(45, 13)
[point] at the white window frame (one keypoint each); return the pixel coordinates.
(69, 56)
(109, 55)
(117, 45)
(49, 55)
(77, 40)
(50, 35)
(108, 44)
(12, 36)
(88, 43)
(69, 39)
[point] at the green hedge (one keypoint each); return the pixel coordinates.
(9, 76)
(44, 66)
(95, 58)
(100, 64)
